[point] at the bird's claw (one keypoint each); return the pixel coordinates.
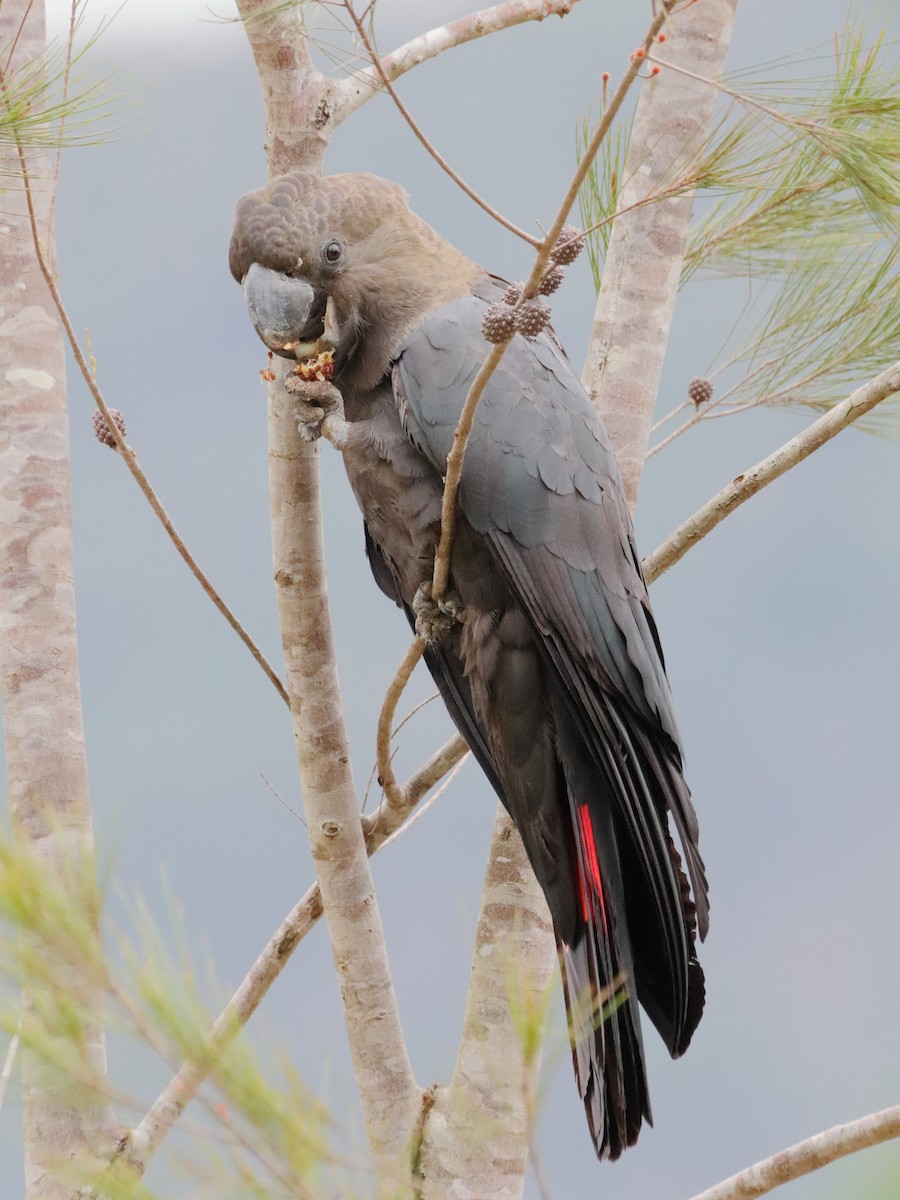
(435, 618)
(320, 412)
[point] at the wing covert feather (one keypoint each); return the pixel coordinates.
(541, 485)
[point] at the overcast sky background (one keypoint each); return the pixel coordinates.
(780, 630)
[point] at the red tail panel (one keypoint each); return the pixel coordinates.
(588, 865)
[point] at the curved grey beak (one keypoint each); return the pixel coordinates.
(283, 310)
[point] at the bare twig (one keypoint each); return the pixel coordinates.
(381, 825)
(19, 31)
(127, 455)
(454, 469)
(411, 122)
(670, 415)
(529, 290)
(806, 1156)
(392, 790)
(446, 37)
(856, 405)
(70, 46)
(6, 1073)
(694, 419)
(422, 809)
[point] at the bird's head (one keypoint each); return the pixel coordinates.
(340, 262)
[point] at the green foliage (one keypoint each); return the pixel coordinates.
(818, 212)
(271, 1134)
(599, 195)
(45, 104)
(528, 1009)
(802, 196)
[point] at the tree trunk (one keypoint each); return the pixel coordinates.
(67, 1120)
(646, 248)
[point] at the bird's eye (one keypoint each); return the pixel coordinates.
(332, 252)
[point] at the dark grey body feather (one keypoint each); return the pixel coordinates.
(556, 677)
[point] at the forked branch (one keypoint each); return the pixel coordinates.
(749, 482)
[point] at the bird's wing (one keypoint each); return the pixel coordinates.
(541, 485)
(444, 662)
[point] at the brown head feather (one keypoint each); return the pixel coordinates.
(396, 271)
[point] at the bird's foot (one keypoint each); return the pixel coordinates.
(435, 618)
(320, 412)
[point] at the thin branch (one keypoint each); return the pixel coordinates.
(695, 418)
(806, 1156)
(453, 474)
(603, 126)
(378, 828)
(18, 34)
(392, 791)
(718, 407)
(384, 822)
(739, 97)
(125, 451)
(67, 74)
(456, 33)
(6, 1073)
(691, 531)
(422, 809)
(435, 154)
(670, 415)
(529, 291)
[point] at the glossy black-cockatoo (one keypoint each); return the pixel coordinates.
(546, 654)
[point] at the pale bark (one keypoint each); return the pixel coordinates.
(807, 1156)
(67, 1121)
(359, 87)
(298, 120)
(753, 480)
(299, 101)
(459, 1141)
(297, 116)
(387, 1089)
(646, 248)
(478, 1131)
(8, 1062)
(456, 33)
